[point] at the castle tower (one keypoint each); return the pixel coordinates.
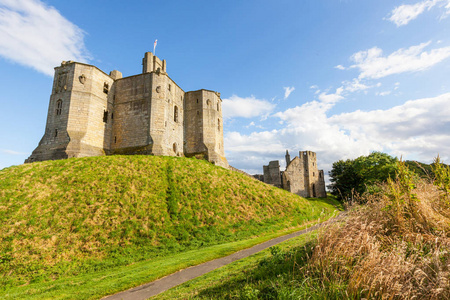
(151, 63)
(314, 184)
(91, 113)
(78, 115)
(203, 123)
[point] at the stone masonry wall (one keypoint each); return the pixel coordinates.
(91, 113)
(293, 178)
(272, 173)
(131, 114)
(203, 134)
(88, 104)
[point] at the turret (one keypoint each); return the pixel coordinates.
(288, 158)
(151, 63)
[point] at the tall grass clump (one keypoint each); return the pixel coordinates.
(397, 246)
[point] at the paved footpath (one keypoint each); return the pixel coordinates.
(153, 288)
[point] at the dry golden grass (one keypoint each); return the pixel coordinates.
(397, 246)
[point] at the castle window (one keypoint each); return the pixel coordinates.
(105, 116)
(175, 113)
(175, 148)
(218, 106)
(198, 113)
(197, 100)
(58, 107)
(208, 102)
(170, 87)
(314, 174)
(115, 139)
(105, 88)
(112, 116)
(56, 132)
(218, 124)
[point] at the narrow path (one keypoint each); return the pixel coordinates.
(153, 288)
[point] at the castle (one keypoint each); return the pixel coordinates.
(92, 113)
(301, 176)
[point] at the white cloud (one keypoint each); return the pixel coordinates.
(355, 85)
(36, 35)
(385, 93)
(340, 67)
(373, 65)
(403, 14)
(315, 87)
(248, 107)
(330, 98)
(288, 91)
(418, 129)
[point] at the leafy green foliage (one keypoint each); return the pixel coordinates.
(442, 176)
(354, 177)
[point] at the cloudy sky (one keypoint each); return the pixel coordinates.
(342, 78)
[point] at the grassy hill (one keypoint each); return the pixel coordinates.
(395, 246)
(67, 218)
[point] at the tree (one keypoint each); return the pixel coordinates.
(352, 177)
(344, 179)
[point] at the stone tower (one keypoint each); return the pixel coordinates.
(301, 176)
(92, 113)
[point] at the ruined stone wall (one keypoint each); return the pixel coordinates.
(293, 178)
(321, 191)
(313, 184)
(272, 173)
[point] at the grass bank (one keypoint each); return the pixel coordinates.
(79, 218)
(396, 246)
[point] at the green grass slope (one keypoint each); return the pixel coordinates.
(60, 219)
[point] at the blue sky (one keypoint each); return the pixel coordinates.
(341, 78)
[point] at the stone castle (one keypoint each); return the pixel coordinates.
(301, 176)
(92, 113)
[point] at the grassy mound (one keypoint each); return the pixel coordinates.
(70, 217)
(397, 246)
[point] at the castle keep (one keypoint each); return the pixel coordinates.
(301, 176)
(92, 113)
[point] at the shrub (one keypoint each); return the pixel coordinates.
(395, 247)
